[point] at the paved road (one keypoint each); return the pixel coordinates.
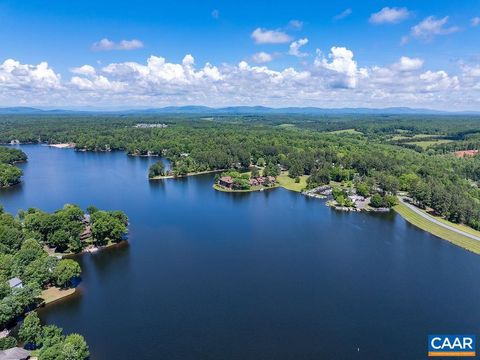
(432, 219)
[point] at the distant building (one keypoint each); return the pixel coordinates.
(464, 153)
(151, 126)
(15, 283)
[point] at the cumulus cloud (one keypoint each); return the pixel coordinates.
(341, 65)
(264, 36)
(83, 70)
(14, 75)
(295, 46)
(408, 64)
(345, 13)
(389, 15)
(430, 27)
(262, 57)
(108, 45)
(475, 21)
(331, 80)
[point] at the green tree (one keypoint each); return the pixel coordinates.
(30, 330)
(39, 271)
(261, 162)
(92, 209)
(59, 239)
(107, 226)
(271, 170)
(9, 175)
(7, 342)
(377, 201)
(363, 189)
(156, 169)
(75, 347)
(51, 335)
(65, 272)
(53, 352)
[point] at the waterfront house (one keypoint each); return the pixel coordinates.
(226, 181)
(465, 153)
(86, 233)
(15, 283)
(86, 219)
(15, 353)
(262, 180)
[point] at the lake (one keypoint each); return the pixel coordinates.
(266, 275)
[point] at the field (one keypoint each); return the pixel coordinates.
(416, 136)
(288, 183)
(346, 131)
(427, 143)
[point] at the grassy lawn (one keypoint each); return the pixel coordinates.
(346, 131)
(53, 294)
(416, 136)
(461, 227)
(437, 230)
(426, 144)
(290, 184)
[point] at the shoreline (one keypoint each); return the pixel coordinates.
(62, 145)
(434, 229)
(90, 250)
(162, 177)
(225, 190)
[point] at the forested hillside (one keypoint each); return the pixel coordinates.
(386, 153)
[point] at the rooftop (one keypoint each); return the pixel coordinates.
(15, 353)
(14, 282)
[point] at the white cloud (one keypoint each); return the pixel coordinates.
(342, 66)
(295, 46)
(389, 15)
(345, 13)
(107, 45)
(330, 80)
(83, 70)
(431, 26)
(215, 14)
(264, 36)
(408, 64)
(295, 24)
(14, 75)
(475, 21)
(262, 57)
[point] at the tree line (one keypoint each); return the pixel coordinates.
(10, 174)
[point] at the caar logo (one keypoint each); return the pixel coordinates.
(451, 345)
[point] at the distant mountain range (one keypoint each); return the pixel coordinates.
(246, 110)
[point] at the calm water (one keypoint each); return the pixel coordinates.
(272, 275)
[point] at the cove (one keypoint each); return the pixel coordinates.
(266, 275)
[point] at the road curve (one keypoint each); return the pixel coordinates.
(432, 219)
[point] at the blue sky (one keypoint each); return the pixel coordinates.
(438, 40)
